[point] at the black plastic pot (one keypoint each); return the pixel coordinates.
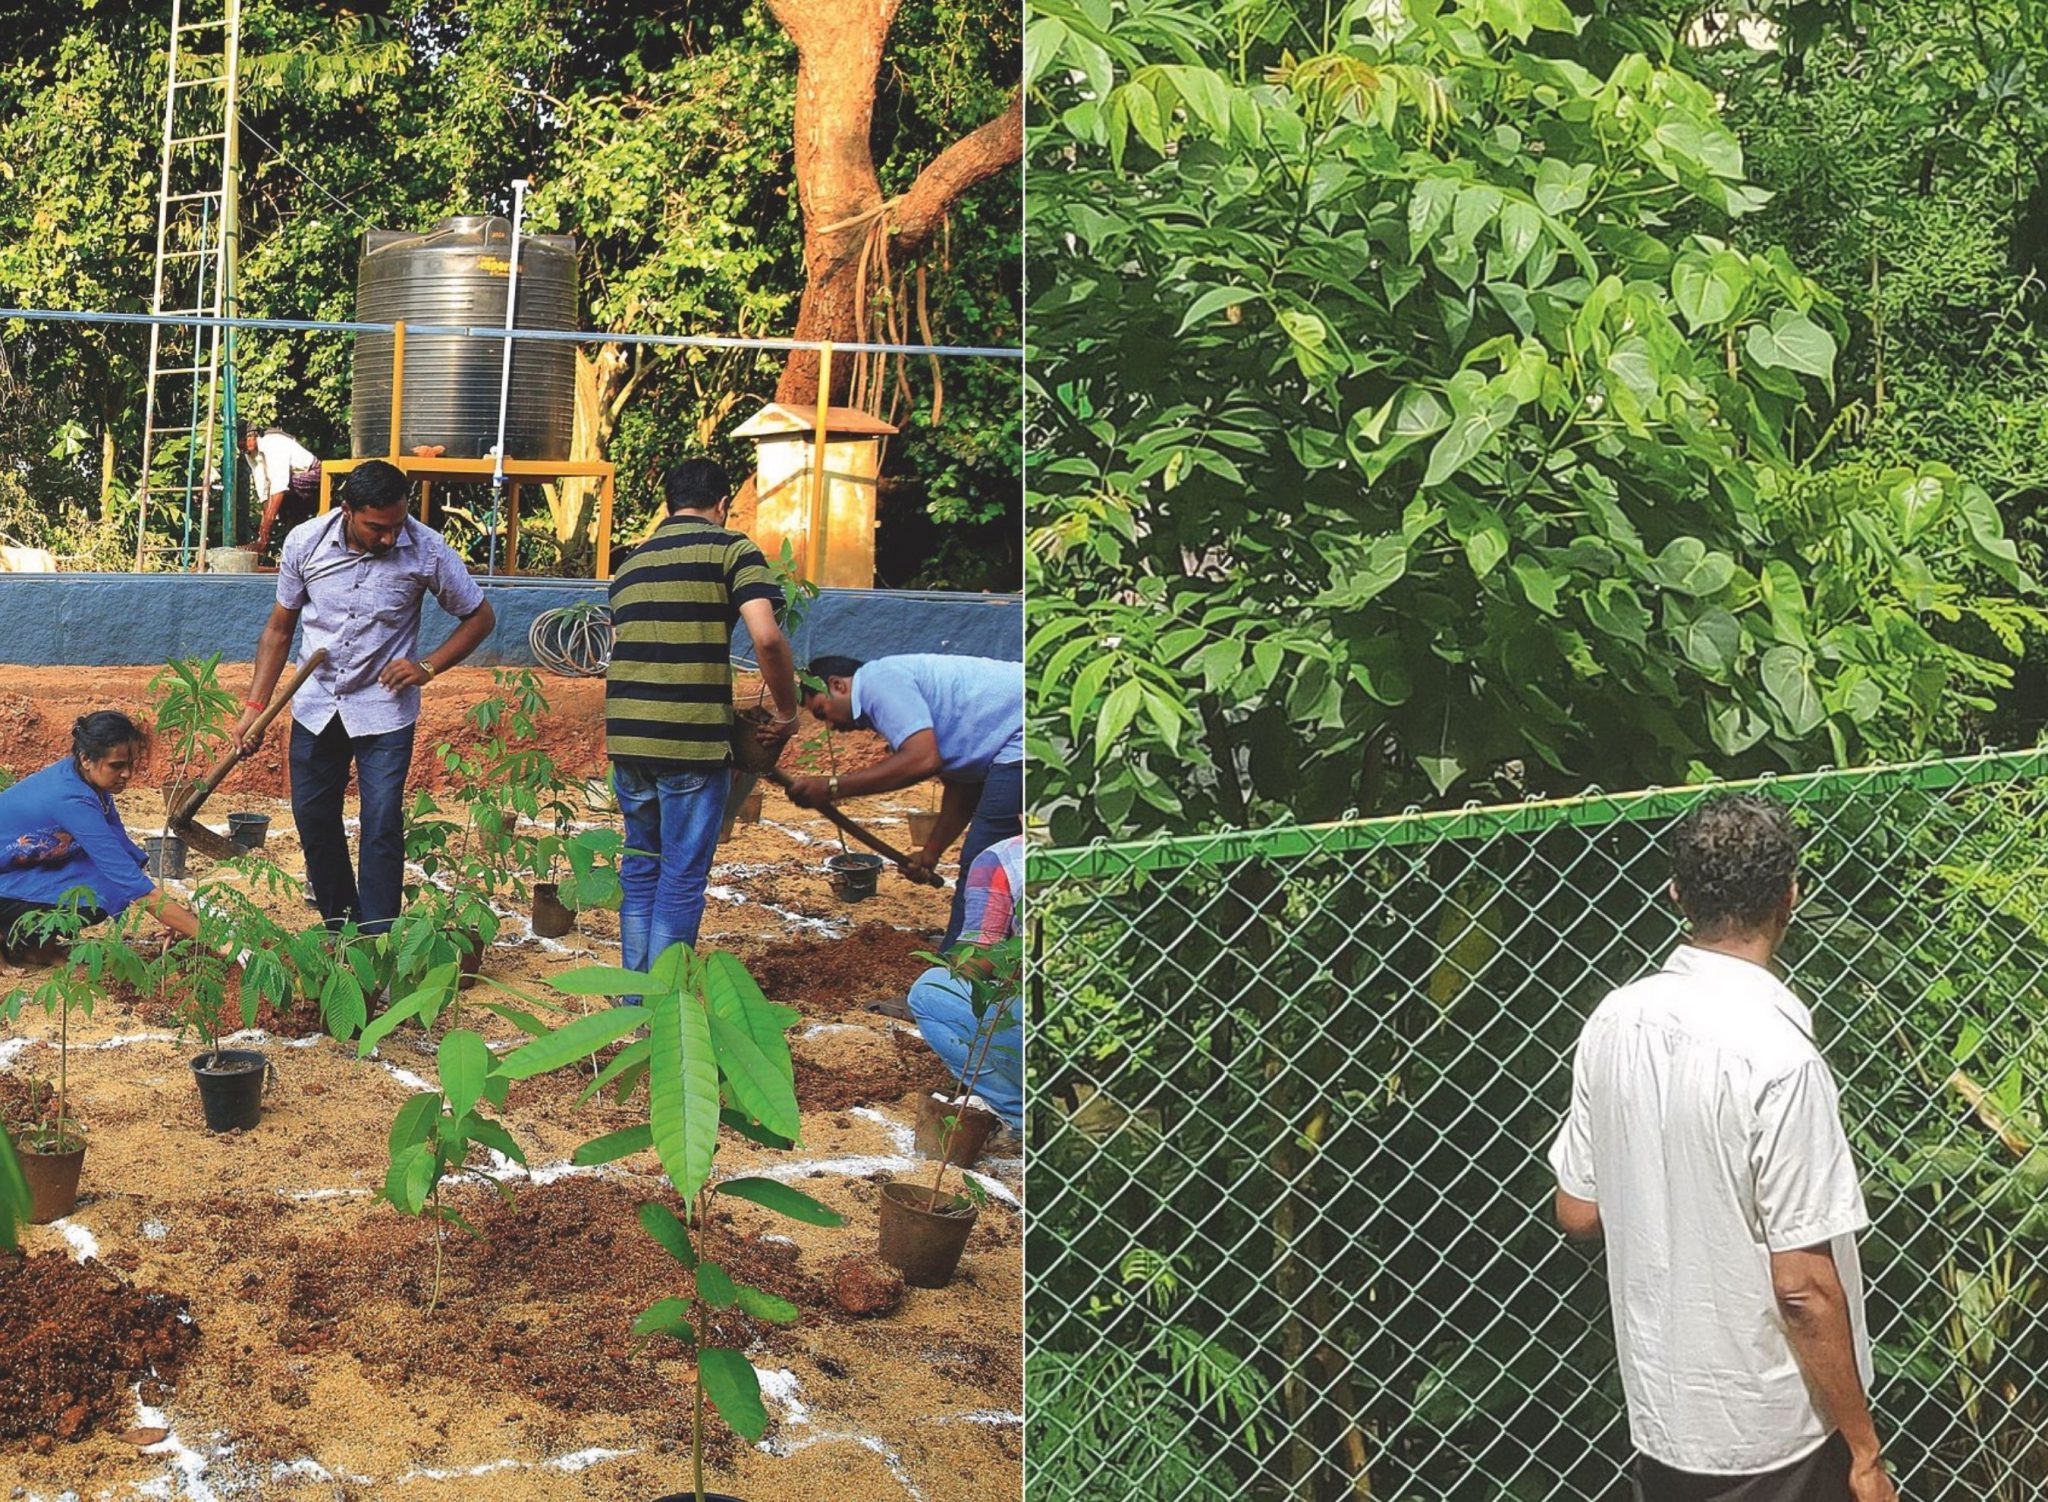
(550, 919)
(52, 1182)
(231, 1085)
(249, 831)
(854, 876)
(472, 962)
(166, 855)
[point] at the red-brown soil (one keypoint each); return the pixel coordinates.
(856, 1082)
(72, 1336)
(826, 978)
(38, 706)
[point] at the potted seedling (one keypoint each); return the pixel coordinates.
(753, 748)
(924, 1230)
(713, 1037)
(194, 716)
(952, 1126)
(53, 1147)
(335, 970)
(197, 977)
(590, 881)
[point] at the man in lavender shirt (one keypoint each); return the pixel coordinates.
(355, 580)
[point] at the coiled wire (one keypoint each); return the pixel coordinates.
(574, 641)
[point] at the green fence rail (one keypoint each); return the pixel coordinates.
(1292, 1090)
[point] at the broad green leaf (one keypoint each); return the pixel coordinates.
(1474, 210)
(1539, 583)
(16, 1201)
(1443, 772)
(493, 1135)
(662, 1224)
(1690, 567)
(1521, 224)
(415, 1121)
(438, 985)
(1357, 579)
(1467, 437)
(1314, 350)
(614, 1145)
(1118, 710)
(1987, 535)
(464, 1061)
(1788, 677)
(1735, 727)
(573, 1041)
(758, 1086)
(1918, 503)
(682, 1092)
(1214, 301)
(734, 1388)
(1562, 186)
(1711, 641)
(753, 1131)
(1615, 611)
(764, 1305)
(1709, 288)
(603, 980)
(1793, 342)
(1428, 207)
(715, 1286)
(1485, 548)
(1043, 39)
(775, 1195)
(669, 1317)
(1787, 601)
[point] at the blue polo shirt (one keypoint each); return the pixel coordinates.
(57, 832)
(974, 707)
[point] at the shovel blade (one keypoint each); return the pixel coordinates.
(209, 844)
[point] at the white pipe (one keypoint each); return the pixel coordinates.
(519, 185)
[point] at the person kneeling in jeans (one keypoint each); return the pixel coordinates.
(939, 1001)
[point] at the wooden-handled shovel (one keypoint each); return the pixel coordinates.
(859, 831)
(184, 800)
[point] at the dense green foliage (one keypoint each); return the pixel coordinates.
(1420, 401)
(659, 137)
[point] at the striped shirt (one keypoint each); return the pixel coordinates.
(675, 602)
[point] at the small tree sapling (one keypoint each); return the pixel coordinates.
(993, 977)
(713, 1038)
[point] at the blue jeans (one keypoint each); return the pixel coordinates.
(940, 1006)
(320, 766)
(998, 814)
(672, 821)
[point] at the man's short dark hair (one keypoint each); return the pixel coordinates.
(822, 668)
(1734, 859)
(695, 485)
(375, 485)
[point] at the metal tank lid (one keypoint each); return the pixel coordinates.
(462, 232)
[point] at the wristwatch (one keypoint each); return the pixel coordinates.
(426, 667)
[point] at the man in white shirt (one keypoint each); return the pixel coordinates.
(286, 478)
(1704, 1143)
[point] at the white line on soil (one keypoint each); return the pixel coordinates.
(301, 1196)
(404, 1077)
(784, 1448)
(187, 1465)
(13, 1049)
(83, 1242)
(995, 1418)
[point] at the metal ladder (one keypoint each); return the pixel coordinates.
(189, 395)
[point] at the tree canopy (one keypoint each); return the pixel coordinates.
(1442, 399)
(659, 136)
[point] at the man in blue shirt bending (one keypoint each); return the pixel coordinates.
(959, 718)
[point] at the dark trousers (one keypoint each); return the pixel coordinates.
(13, 910)
(998, 814)
(320, 768)
(1822, 1476)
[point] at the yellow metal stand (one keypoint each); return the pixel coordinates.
(519, 473)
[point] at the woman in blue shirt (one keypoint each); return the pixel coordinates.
(59, 830)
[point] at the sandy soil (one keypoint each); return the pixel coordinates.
(317, 1372)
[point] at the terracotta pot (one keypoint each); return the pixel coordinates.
(550, 919)
(970, 1135)
(750, 808)
(923, 1241)
(52, 1182)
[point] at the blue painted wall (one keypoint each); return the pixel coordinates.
(128, 620)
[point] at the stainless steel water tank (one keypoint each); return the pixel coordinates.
(456, 273)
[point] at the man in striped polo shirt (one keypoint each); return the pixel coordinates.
(668, 701)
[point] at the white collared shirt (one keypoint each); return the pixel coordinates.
(277, 458)
(1705, 1124)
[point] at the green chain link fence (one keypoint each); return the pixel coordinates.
(1292, 1091)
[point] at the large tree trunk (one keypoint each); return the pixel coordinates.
(839, 46)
